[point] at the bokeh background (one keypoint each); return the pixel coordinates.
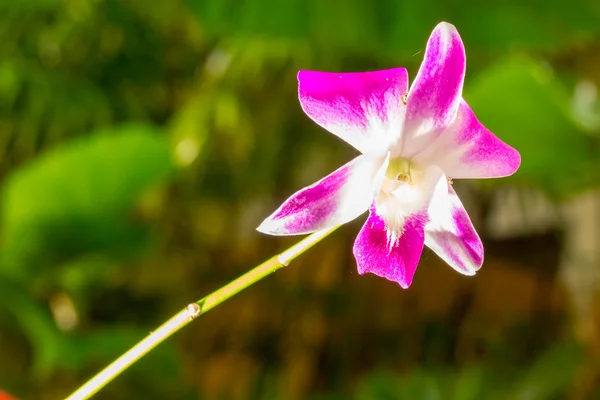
(142, 142)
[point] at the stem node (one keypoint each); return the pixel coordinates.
(194, 310)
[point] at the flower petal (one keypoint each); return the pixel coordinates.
(336, 199)
(363, 108)
(469, 150)
(435, 94)
(396, 261)
(391, 241)
(451, 235)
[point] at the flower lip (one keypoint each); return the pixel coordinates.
(398, 173)
(399, 169)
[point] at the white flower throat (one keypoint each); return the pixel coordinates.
(397, 174)
(398, 195)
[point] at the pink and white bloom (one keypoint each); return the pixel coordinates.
(414, 142)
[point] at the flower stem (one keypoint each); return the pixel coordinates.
(192, 311)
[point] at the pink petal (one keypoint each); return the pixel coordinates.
(451, 235)
(391, 241)
(469, 150)
(395, 261)
(363, 108)
(435, 94)
(334, 200)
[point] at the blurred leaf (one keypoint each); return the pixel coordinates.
(81, 275)
(73, 199)
(403, 26)
(551, 374)
(9, 83)
(37, 324)
(534, 25)
(29, 5)
(423, 384)
(469, 384)
(525, 106)
(284, 19)
(54, 349)
(380, 385)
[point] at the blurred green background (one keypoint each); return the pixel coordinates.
(142, 141)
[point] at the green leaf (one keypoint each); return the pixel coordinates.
(75, 198)
(522, 103)
(36, 322)
(551, 374)
(54, 349)
(380, 385)
(469, 384)
(423, 384)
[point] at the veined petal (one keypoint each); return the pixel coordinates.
(435, 94)
(467, 149)
(363, 108)
(336, 199)
(451, 235)
(397, 260)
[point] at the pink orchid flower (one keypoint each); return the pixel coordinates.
(413, 143)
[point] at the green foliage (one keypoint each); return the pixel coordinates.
(54, 350)
(550, 374)
(524, 104)
(70, 202)
(547, 378)
(399, 26)
(36, 324)
(74, 200)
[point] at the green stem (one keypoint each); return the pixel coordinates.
(192, 311)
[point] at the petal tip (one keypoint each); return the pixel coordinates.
(269, 227)
(301, 74)
(404, 282)
(514, 162)
(275, 227)
(397, 263)
(474, 267)
(447, 33)
(446, 27)
(404, 285)
(435, 95)
(510, 165)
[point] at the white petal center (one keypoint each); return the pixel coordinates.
(399, 195)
